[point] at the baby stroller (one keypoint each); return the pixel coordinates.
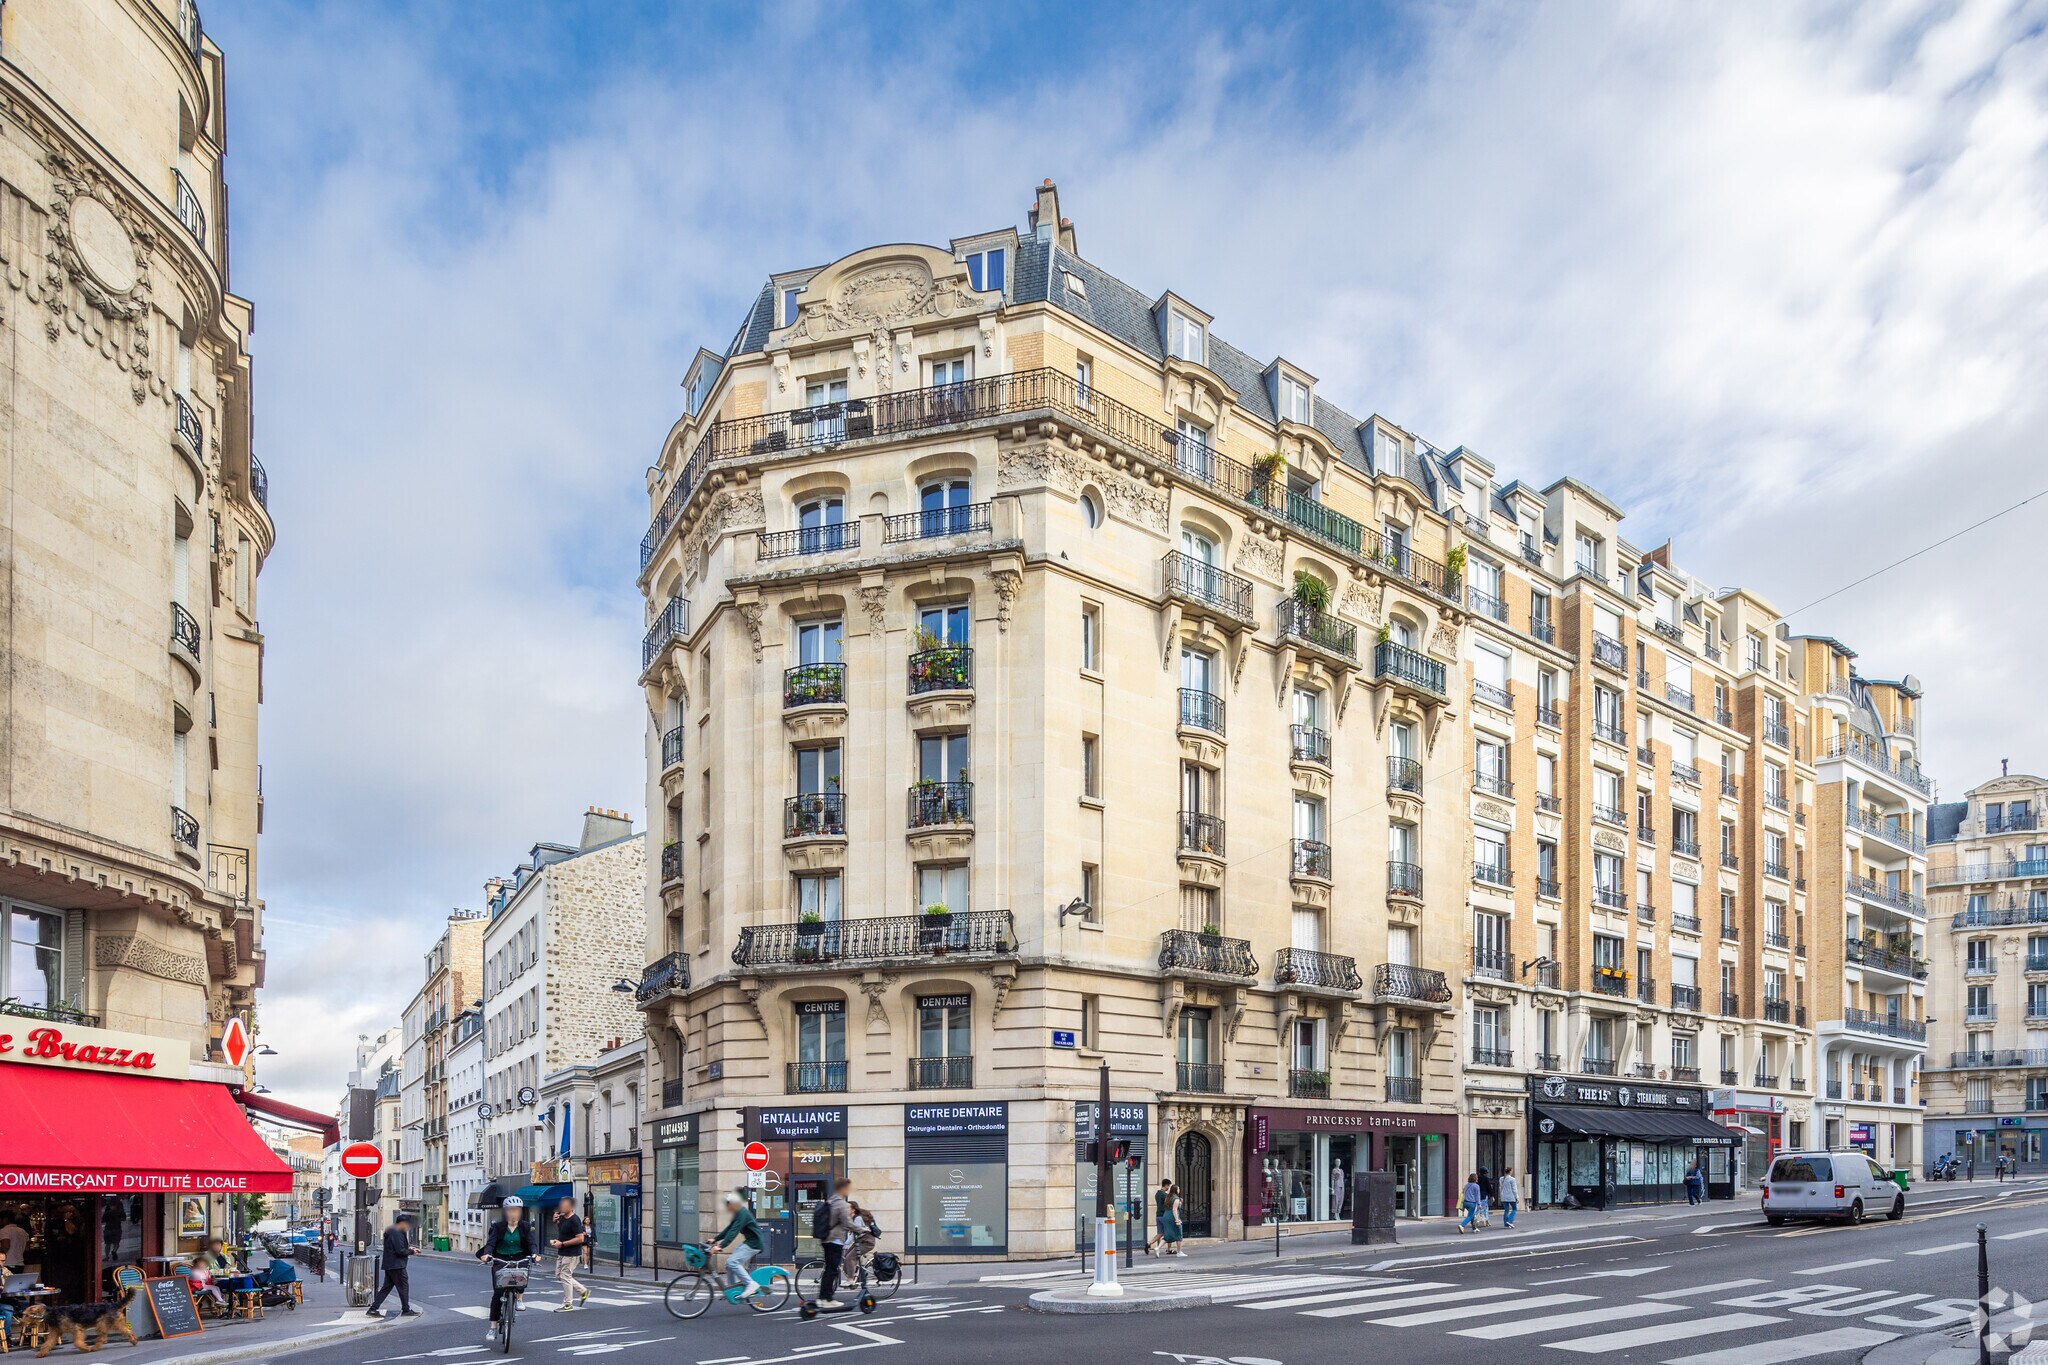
(279, 1284)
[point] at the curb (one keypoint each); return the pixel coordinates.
(263, 1349)
(1076, 1301)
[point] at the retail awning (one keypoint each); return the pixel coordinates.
(491, 1195)
(291, 1116)
(1643, 1125)
(86, 1133)
(545, 1196)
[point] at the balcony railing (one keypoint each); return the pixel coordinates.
(1198, 1078)
(1685, 848)
(1404, 775)
(1399, 663)
(1201, 832)
(1731, 1003)
(814, 815)
(191, 212)
(1610, 898)
(1678, 696)
(1646, 835)
(1317, 970)
(1502, 697)
(1951, 874)
(1397, 981)
(1404, 1090)
(1609, 731)
(184, 830)
(1490, 1055)
(947, 668)
(1777, 1011)
(1547, 887)
(1685, 1073)
(1670, 630)
(934, 523)
(671, 864)
(259, 482)
(1423, 572)
(1495, 782)
(1731, 931)
(1541, 629)
(189, 428)
(1871, 754)
(1777, 733)
(1549, 1061)
(1884, 1025)
(1320, 629)
(1608, 653)
(813, 685)
(1307, 744)
(808, 540)
(663, 977)
(1646, 913)
(1884, 959)
(1729, 1075)
(1549, 715)
(1766, 1081)
(941, 803)
(1777, 938)
(814, 1078)
(1685, 998)
(1312, 859)
(2000, 1057)
(185, 631)
(1646, 755)
(1892, 831)
(1610, 815)
(1308, 1084)
(1898, 897)
(876, 941)
(940, 1073)
(1610, 981)
(1493, 874)
(1192, 580)
(672, 622)
(1646, 989)
(1201, 710)
(1685, 772)
(1493, 962)
(1404, 879)
(672, 748)
(1731, 861)
(1486, 604)
(1996, 917)
(1184, 951)
(1599, 1066)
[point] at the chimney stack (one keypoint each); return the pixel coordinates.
(1045, 213)
(602, 825)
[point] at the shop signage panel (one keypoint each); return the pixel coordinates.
(613, 1170)
(39, 1042)
(1125, 1120)
(945, 1002)
(1617, 1094)
(794, 1125)
(935, 1120)
(677, 1132)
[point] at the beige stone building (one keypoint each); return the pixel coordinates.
(453, 983)
(1986, 1081)
(1036, 680)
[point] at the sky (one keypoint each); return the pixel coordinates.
(1773, 277)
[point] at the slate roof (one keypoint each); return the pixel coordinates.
(1944, 818)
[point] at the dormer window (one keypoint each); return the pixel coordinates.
(1293, 400)
(785, 307)
(987, 269)
(700, 391)
(1186, 339)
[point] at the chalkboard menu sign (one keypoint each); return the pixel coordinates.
(172, 1304)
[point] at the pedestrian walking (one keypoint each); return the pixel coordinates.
(1510, 1197)
(397, 1252)
(1473, 1198)
(1695, 1184)
(840, 1230)
(1169, 1221)
(1162, 1206)
(569, 1240)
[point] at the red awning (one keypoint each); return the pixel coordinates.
(82, 1132)
(291, 1116)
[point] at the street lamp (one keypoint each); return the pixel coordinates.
(1076, 907)
(623, 986)
(266, 1051)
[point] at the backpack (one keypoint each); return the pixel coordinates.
(821, 1219)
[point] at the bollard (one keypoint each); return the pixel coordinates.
(1983, 1298)
(916, 1254)
(1276, 1238)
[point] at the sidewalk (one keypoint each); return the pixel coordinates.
(322, 1319)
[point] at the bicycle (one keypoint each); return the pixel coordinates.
(690, 1293)
(863, 1273)
(510, 1277)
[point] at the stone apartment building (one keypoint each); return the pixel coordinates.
(1037, 680)
(563, 931)
(1986, 1082)
(465, 1086)
(409, 1174)
(454, 972)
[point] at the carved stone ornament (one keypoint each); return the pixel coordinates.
(874, 600)
(874, 989)
(882, 295)
(102, 249)
(1069, 471)
(1493, 810)
(1007, 582)
(1362, 601)
(1444, 639)
(1610, 841)
(151, 959)
(1256, 554)
(751, 613)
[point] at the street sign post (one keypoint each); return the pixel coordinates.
(362, 1159)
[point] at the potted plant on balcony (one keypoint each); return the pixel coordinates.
(1212, 932)
(1316, 1082)
(1311, 594)
(1455, 561)
(810, 924)
(1264, 470)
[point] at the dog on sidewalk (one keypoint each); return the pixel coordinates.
(51, 1323)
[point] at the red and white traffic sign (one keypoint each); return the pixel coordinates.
(234, 1041)
(362, 1159)
(755, 1155)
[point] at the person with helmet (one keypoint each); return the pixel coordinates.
(510, 1238)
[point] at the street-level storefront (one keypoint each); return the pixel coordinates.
(1759, 1120)
(1298, 1162)
(1983, 1138)
(110, 1154)
(1130, 1123)
(1601, 1142)
(676, 1185)
(614, 1181)
(956, 1176)
(806, 1154)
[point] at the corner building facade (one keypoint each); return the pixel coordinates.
(1037, 681)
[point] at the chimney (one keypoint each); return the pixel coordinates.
(602, 825)
(1045, 213)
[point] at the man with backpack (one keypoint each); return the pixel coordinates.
(832, 1224)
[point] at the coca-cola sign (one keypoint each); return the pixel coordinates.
(39, 1042)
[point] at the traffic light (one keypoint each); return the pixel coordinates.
(1094, 1154)
(1120, 1150)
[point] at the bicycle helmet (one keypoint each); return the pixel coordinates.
(513, 1201)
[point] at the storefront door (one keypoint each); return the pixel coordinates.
(1194, 1167)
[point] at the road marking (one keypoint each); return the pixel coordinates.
(1248, 1288)
(1383, 1292)
(1844, 1265)
(1791, 1348)
(1613, 1312)
(1663, 1331)
(998, 1279)
(1512, 1249)
(1936, 1251)
(1609, 1274)
(472, 1310)
(1703, 1289)
(723, 1360)
(1352, 1310)
(1469, 1310)
(2012, 1236)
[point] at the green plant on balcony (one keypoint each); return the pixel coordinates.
(1212, 931)
(1265, 469)
(1317, 1079)
(1311, 592)
(1455, 560)
(1386, 634)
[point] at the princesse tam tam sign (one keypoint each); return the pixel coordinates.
(40, 1042)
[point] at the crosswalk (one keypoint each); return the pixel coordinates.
(1675, 1326)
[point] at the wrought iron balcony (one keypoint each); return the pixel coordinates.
(1731, 1003)
(808, 540)
(1318, 629)
(1495, 782)
(1404, 775)
(1542, 629)
(1872, 754)
(935, 523)
(1610, 981)
(1685, 924)
(184, 830)
(1731, 861)
(946, 668)
(1677, 696)
(1776, 801)
(1307, 744)
(941, 803)
(1311, 859)
(1404, 879)
(940, 1073)
(1609, 654)
(1485, 1054)
(1201, 832)
(1496, 963)
(54, 1012)
(1548, 803)
(1316, 970)
(1766, 1081)
(1205, 585)
(1730, 930)
(1486, 604)
(1646, 835)
(1201, 710)
(1884, 1025)
(1308, 1084)
(1646, 989)
(1878, 957)
(1995, 917)
(1599, 1066)
(1493, 874)
(1610, 815)
(878, 941)
(1644, 1071)
(189, 429)
(191, 212)
(672, 622)
(1893, 830)
(814, 1078)
(1609, 731)
(1777, 1011)
(1646, 913)
(1398, 663)
(1686, 773)
(1549, 1061)
(185, 631)
(662, 978)
(1610, 898)
(1686, 848)
(1646, 755)
(1198, 1078)
(1397, 982)
(1884, 893)
(672, 748)
(1685, 998)
(1185, 952)
(1670, 630)
(814, 815)
(671, 863)
(1547, 887)
(1423, 572)
(1686, 1073)
(1776, 732)
(1404, 1090)
(1777, 938)
(1549, 716)
(813, 685)
(259, 482)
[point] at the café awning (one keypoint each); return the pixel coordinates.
(82, 1132)
(291, 1116)
(1642, 1125)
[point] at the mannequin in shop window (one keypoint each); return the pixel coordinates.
(1340, 1191)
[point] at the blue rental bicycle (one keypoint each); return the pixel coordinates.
(690, 1293)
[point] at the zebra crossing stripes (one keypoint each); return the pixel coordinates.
(1695, 1291)
(1613, 1312)
(1663, 1331)
(1352, 1310)
(1383, 1291)
(1471, 1310)
(1792, 1348)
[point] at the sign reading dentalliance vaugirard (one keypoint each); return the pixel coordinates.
(797, 1124)
(39, 1042)
(1661, 1099)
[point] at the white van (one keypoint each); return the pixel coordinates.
(1847, 1185)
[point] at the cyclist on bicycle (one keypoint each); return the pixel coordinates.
(740, 1239)
(511, 1238)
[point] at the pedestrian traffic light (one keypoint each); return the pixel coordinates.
(1120, 1150)
(1094, 1154)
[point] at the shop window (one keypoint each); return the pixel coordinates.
(32, 971)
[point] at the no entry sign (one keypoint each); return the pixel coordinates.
(362, 1159)
(755, 1155)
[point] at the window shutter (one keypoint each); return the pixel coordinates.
(74, 958)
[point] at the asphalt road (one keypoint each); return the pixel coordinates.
(1709, 1286)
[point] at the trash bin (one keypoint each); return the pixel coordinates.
(1372, 1208)
(440, 1244)
(362, 1278)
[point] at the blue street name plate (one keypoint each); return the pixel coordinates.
(1062, 1037)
